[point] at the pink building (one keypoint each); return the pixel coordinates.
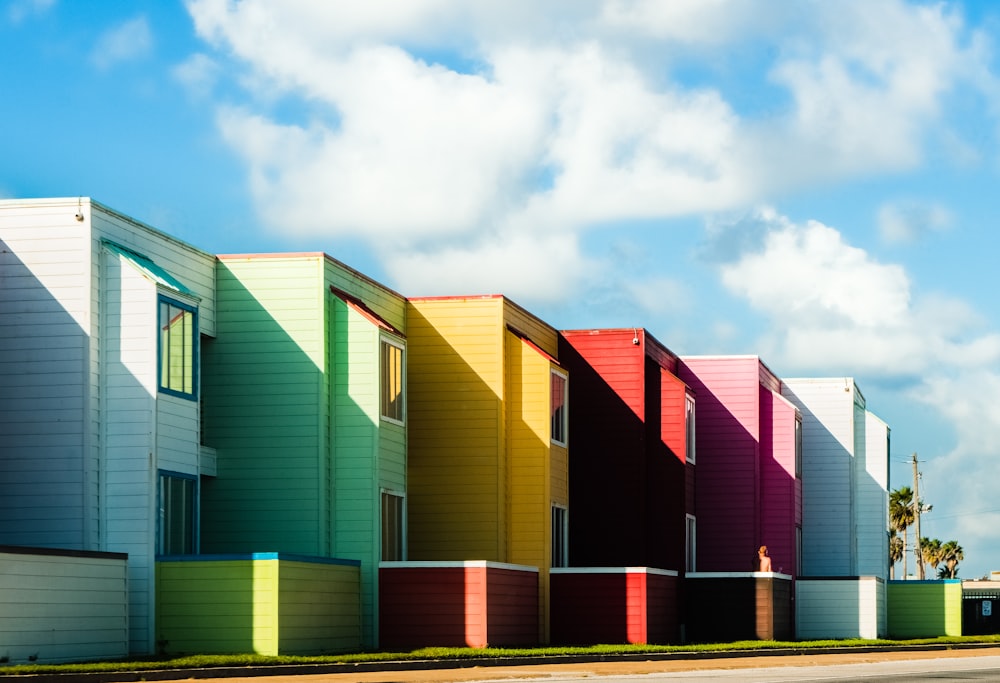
(748, 490)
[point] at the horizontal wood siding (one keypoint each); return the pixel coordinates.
(589, 608)
(924, 609)
(319, 608)
(779, 511)
(828, 445)
(217, 606)
(665, 468)
(129, 406)
(62, 608)
(442, 606)
(266, 414)
(355, 428)
(607, 473)
(456, 426)
(512, 608)
(191, 266)
(727, 433)
(48, 480)
(844, 608)
(872, 505)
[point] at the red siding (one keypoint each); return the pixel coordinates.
(626, 481)
(457, 606)
(618, 606)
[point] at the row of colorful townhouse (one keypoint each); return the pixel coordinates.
(277, 454)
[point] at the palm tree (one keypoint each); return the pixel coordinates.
(895, 552)
(951, 555)
(901, 515)
(930, 548)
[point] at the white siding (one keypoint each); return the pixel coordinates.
(828, 444)
(840, 608)
(47, 487)
(872, 504)
(57, 608)
(127, 387)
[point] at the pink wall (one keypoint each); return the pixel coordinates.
(745, 487)
(726, 438)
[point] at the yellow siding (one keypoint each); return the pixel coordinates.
(543, 335)
(455, 421)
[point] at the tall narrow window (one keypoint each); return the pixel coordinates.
(176, 523)
(798, 448)
(798, 551)
(392, 381)
(689, 429)
(560, 533)
(393, 548)
(178, 348)
(558, 396)
(690, 544)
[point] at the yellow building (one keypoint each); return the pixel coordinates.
(488, 465)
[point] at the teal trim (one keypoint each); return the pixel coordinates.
(236, 557)
(147, 267)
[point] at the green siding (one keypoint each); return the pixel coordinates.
(924, 609)
(264, 606)
(264, 406)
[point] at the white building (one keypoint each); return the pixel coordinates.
(101, 319)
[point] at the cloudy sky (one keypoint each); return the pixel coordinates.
(813, 182)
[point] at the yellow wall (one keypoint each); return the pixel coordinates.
(483, 473)
(455, 420)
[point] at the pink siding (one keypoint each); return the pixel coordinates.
(727, 432)
(780, 506)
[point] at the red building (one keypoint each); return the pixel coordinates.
(632, 467)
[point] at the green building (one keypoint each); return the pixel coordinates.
(304, 404)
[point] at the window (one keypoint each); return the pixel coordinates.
(560, 532)
(393, 548)
(558, 398)
(392, 381)
(176, 523)
(798, 551)
(689, 449)
(690, 544)
(178, 348)
(798, 448)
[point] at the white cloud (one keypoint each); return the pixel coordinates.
(128, 41)
(832, 305)
(565, 116)
(906, 222)
(19, 10)
(198, 73)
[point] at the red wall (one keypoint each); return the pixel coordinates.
(469, 605)
(626, 479)
(615, 606)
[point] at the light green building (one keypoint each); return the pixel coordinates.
(304, 404)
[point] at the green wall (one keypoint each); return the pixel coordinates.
(924, 609)
(262, 603)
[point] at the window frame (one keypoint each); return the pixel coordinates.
(690, 543)
(162, 353)
(162, 513)
(401, 545)
(559, 545)
(690, 438)
(559, 416)
(383, 390)
(798, 447)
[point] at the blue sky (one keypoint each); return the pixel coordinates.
(813, 182)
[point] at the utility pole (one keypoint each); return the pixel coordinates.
(916, 520)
